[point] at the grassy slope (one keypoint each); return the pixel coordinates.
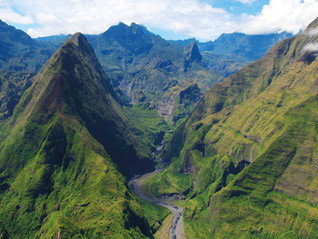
(57, 177)
(264, 114)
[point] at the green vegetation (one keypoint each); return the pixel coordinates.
(57, 170)
(155, 214)
(150, 129)
(247, 153)
(244, 161)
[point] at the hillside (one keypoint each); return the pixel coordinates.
(245, 160)
(62, 151)
(20, 53)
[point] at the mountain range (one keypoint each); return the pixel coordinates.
(80, 116)
(144, 68)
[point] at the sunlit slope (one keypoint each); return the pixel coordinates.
(246, 157)
(59, 164)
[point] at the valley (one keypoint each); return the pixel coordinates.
(127, 135)
(176, 229)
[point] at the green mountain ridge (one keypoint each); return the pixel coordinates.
(66, 141)
(19, 52)
(245, 158)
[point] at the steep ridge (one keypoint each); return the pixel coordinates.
(12, 86)
(12, 40)
(19, 52)
(246, 157)
(57, 170)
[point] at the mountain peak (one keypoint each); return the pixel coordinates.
(133, 38)
(79, 40)
(192, 52)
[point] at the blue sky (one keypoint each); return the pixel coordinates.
(239, 7)
(172, 19)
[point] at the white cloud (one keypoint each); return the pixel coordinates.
(8, 15)
(310, 47)
(184, 17)
(312, 32)
(280, 15)
(187, 17)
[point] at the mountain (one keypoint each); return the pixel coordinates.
(12, 86)
(250, 47)
(232, 51)
(146, 68)
(12, 41)
(62, 151)
(19, 52)
(143, 67)
(245, 160)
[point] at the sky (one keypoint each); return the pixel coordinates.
(172, 19)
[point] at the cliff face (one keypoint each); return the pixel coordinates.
(178, 102)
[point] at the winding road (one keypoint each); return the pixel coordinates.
(176, 230)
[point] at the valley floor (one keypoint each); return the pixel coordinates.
(176, 230)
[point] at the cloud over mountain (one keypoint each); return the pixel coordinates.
(310, 47)
(188, 18)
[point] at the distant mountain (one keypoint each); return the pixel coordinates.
(145, 67)
(61, 151)
(13, 42)
(250, 47)
(19, 52)
(230, 52)
(245, 159)
(54, 39)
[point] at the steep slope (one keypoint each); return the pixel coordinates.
(12, 86)
(246, 157)
(19, 52)
(57, 170)
(12, 41)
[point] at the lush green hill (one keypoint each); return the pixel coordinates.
(246, 157)
(62, 152)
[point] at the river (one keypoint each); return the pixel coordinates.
(176, 230)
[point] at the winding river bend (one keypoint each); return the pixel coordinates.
(176, 230)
